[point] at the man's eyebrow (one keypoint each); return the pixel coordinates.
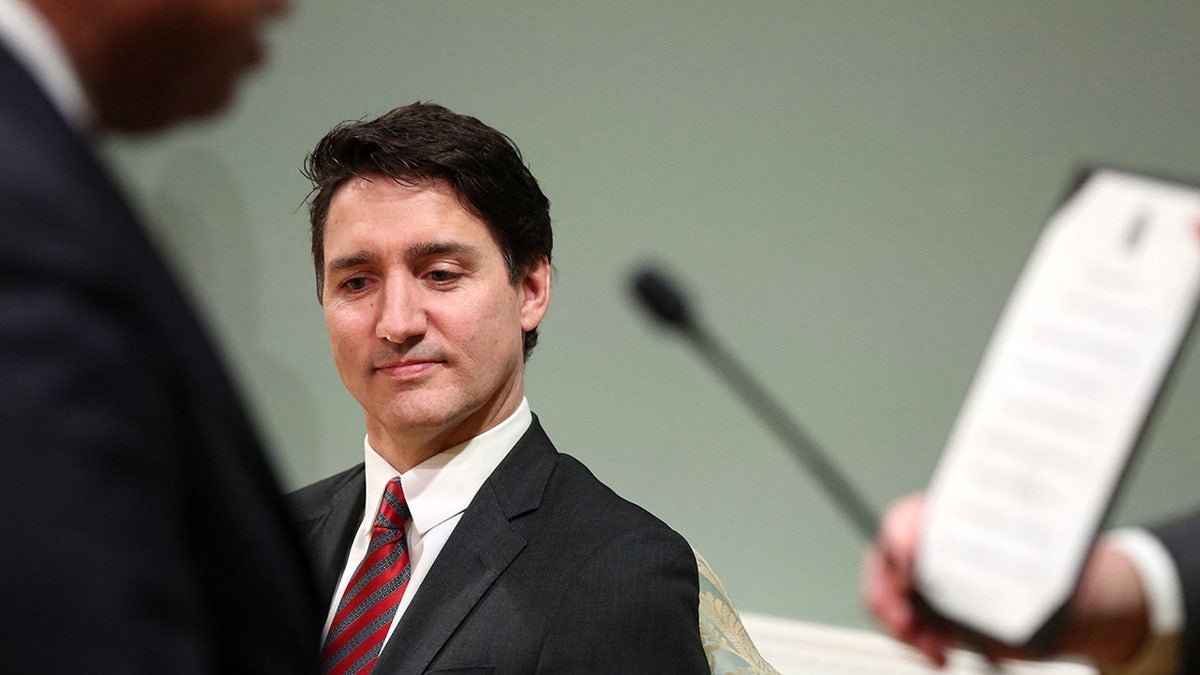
(350, 261)
(436, 248)
(419, 251)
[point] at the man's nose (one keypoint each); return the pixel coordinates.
(401, 314)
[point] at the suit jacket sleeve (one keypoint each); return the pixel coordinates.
(601, 627)
(1182, 540)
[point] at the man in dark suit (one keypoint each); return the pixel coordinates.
(141, 527)
(491, 551)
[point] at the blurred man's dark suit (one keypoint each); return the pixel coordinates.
(1182, 540)
(141, 530)
(548, 571)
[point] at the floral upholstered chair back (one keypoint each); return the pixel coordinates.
(728, 646)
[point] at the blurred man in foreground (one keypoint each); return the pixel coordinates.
(141, 525)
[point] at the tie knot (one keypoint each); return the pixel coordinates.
(393, 510)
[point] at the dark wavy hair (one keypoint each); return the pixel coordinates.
(426, 142)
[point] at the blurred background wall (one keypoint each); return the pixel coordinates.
(848, 189)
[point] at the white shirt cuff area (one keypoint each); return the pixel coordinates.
(1160, 579)
(1160, 653)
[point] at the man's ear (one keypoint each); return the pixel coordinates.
(535, 290)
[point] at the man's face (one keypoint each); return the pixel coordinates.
(426, 327)
(163, 61)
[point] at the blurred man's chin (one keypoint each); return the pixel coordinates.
(143, 117)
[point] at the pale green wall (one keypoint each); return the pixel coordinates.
(850, 187)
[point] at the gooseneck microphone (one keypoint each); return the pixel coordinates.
(667, 304)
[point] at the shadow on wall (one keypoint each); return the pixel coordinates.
(201, 221)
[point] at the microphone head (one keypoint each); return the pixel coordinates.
(662, 298)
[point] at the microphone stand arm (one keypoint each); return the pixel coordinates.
(848, 500)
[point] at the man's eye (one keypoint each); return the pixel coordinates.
(442, 276)
(355, 284)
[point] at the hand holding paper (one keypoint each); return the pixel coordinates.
(1065, 389)
(1106, 622)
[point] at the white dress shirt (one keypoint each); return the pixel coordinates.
(34, 43)
(437, 490)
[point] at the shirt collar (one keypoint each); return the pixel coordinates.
(443, 486)
(34, 43)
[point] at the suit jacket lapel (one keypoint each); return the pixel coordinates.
(481, 548)
(328, 533)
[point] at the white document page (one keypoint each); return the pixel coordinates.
(1058, 404)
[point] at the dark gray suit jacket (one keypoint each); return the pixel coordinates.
(548, 571)
(141, 530)
(1182, 539)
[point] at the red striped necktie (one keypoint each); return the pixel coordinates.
(369, 603)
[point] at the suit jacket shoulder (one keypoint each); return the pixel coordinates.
(551, 571)
(326, 514)
(313, 501)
